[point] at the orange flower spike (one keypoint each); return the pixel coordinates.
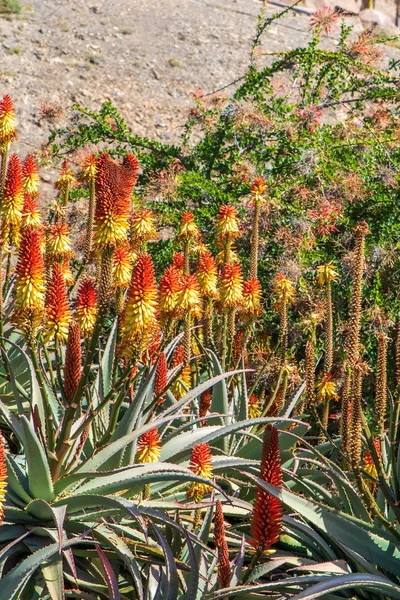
(57, 307)
(227, 225)
(89, 167)
(231, 289)
(369, 465)
(178, 261)
(31, 216)
(73, 362)
(251, 298)
(59, 245)
(182, 384)
(205, 405)
(201, 465)
(259, 186)
(114, 186)
(67, 178)
(13, 199)
(67, 273)
(254, 407)
(224, 567)
(8, 132)
(266, 519)
(86, 307)
(207, 274)
(122, 266)
(188, 229)
(283, 287)
(141, 306)
(188, 294)
(3, 478)
(30, 272)
(148, 447)
(169, 288)
(143, 225)
(161, 379)
(30, 176)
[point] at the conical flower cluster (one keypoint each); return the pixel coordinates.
(188, 300)
(122, 266)
(251, 307)
(139, 315)
(207, 274)
(181, 385)
(148, 447)
(8, 132)
(30, 176)
(31, 216)
(267, 512)
(86, 307)
(188, 229)
(227, 224)
(30, 275)
(114, 186)
(224, 567)
(169, 290)
(57, 307)
(201, 465)
(231, 288)
(66, 178)
(143, 226)
(161, 379)
(73, 362)
(59, 245)
(13, 201)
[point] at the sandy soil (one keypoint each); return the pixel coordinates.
(147, 57)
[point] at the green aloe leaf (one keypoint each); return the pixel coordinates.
(53, 575)
(355, 581)
(16, 481)
(172, 582)
(133, 478)
(13, 582)
(176, 448)
(39, 477)
(378, 549)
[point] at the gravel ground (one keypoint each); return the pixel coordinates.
(146, 57)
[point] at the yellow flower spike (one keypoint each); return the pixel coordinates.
(326, 273)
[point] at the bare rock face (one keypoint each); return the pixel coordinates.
(370, 17)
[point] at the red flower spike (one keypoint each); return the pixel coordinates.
(139, 314)
(8, 132)
(178, 261)
(73, 362)
(148, 447)
(30, 176)
(31, 216)
(13, 198)
(57, 307)
(224, 567)
(178, 356)
(205, 405)
(201, 465)
(86, 307)
(169, 287)
(114, 185)
(161, 378)
(267, 512)
(30, 271)
(207, 274)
